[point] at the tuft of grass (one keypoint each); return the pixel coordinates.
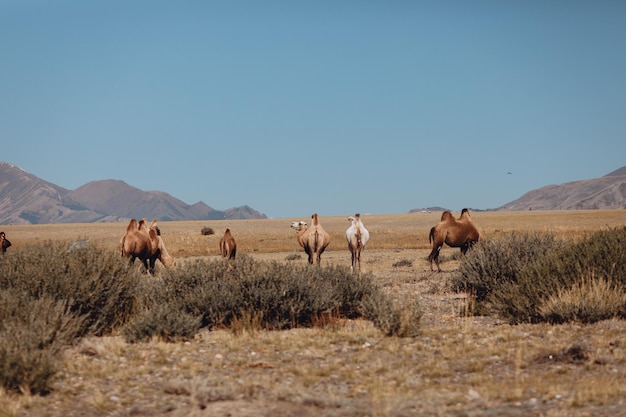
(403, 263)
(588, 301)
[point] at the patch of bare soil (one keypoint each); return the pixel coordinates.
(457, 366)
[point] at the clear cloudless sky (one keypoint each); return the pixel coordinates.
(334, 107)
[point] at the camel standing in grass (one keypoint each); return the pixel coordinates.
(145, 243)
(456, 233)
(228, 247)
(357, 236)
(4, 242)
(313, 239)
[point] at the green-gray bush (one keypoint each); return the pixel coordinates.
(33, 332)
(97, 284)
(493, 262)
(601, 255)
(282, 296)
(161, 322)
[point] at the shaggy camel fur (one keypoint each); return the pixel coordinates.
(357, 236)
(4, 242)
(456, 233)
(228, 247)
(314, 240)
(145, 243)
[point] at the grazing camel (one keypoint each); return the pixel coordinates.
(4, 242)
(313, 239)
(456, 233)
(145, 243)
(228, 247)
(357, 236)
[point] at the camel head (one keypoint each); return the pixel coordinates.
(299, 225)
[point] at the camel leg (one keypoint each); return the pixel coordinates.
(434, 256)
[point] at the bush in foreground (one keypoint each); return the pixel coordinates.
(597, 261)
(263, 295)
(97, 283)
(535, 278)
(33, 333)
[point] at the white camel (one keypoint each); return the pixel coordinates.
(357, 236)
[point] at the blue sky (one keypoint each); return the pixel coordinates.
(332, 107)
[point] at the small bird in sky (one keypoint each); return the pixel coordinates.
(508, 173)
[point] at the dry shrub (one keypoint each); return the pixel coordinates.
(207, 231)
(399, 319)
(269, 295)
(402, 263)
(492, 262)
(601, 255)
(162, 323)
(50, 297)
(588, 301)
(33, 332)
(98, 284)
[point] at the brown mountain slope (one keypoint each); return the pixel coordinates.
(25, 198)
(599, 193)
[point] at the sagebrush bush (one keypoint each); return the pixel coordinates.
(492, 262)
(390, 317)
(601, 255)
(97, 283)
(162, 323)
(278, 296)
(33, 332)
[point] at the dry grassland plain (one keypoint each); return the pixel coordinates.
(456, 366)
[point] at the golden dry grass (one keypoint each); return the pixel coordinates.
(457, 366)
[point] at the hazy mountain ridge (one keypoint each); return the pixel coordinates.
(25, 198)
(607, 192)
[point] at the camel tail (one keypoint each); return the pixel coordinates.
(316, 241)
(359, 241)
(431, 235)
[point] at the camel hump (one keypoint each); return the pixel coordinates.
(358, 216)
(464, 214)
(132, 225)
(315, 220)
(153, 234)
(446, 215)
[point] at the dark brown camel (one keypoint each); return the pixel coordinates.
(4, 242)
(456, 233)
(228, 247)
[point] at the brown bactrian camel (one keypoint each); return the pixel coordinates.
(456, 233)
(228, 247)
(4, 242)
(357, 236)
(145, 243)
(314, 240)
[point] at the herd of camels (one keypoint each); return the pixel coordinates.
(142, 241)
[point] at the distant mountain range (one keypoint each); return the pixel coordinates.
(27, 199)
(607, 192)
